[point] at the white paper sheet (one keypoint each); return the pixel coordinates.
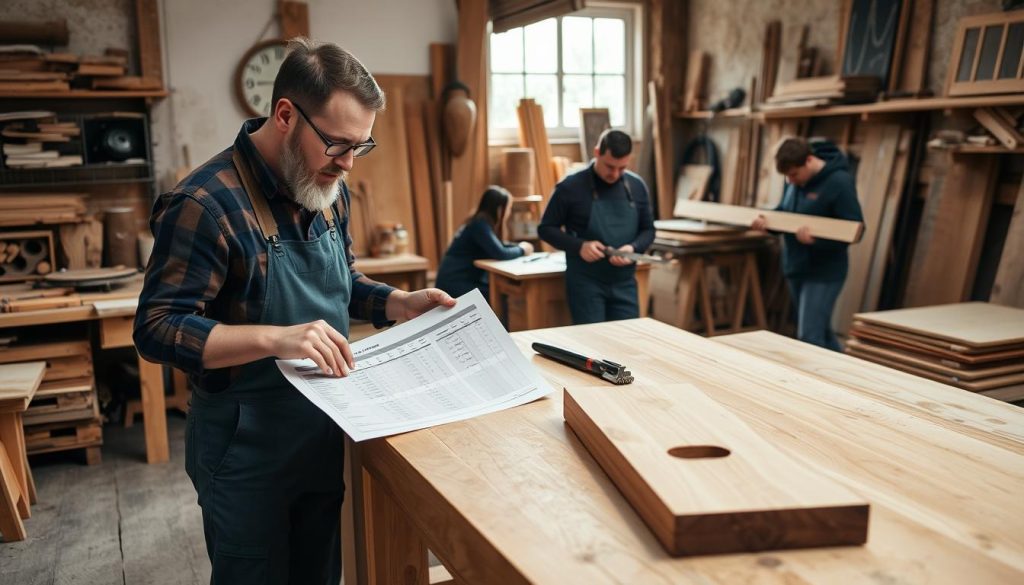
(447, 365)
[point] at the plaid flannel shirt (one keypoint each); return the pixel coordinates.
(209, 261)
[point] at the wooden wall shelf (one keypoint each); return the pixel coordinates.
(887, 107)
(84, 94)
(977, 149)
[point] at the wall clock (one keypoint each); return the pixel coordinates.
(254, 77)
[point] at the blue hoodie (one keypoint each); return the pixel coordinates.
(830, 193)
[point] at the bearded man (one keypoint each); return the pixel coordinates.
(252, 261)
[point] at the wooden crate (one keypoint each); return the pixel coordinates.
(48, 438)
(63, 401)
(64, 360)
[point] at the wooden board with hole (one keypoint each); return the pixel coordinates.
(703, 481)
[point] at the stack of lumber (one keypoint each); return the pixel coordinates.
(64, 414)
(27, 68)
(32, 139)
(974, 346)
(25, 209)
(826, 90)
(533, 134)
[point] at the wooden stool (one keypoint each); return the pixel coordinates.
(18, 384)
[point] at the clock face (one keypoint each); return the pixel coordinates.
(255, 76)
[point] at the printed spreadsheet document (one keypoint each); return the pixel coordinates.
(447, 365)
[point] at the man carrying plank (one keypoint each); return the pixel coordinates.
(818, 183)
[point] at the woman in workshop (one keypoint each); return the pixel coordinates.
(480, 238)
(818, 182)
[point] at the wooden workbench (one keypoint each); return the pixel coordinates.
(402, 271)
(115, 313)
(514, 497)
(529, 292)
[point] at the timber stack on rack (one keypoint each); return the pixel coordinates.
(533, 134)
(978, 347)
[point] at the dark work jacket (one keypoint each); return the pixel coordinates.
(475, 240)
(830, 193)
(568, 211)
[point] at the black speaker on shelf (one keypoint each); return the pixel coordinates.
(115, 138)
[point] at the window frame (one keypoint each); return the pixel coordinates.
(632, 15)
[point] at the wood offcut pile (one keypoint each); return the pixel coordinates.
(37, 139)
(829, 90)
(975, 346)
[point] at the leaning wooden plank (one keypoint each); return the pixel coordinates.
(976, 325)
(912, 76)
(952, 230)
(873, 178)
(996, 123)
(423, 196)
(893, 197)
(663, 162)
(781, 221)
(469, 171)
(702, 480)
(1008, 288)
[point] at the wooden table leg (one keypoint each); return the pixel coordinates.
(536, 309)
(755, 291)
(11, 497)
(154, 411)
(353, 519)
(395, 553)
(12, 435)
(33, 497)
(495, 298)
(643, 291)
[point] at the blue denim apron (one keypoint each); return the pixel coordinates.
(266, 463)
(598, 291)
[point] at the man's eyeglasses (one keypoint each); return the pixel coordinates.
(336, 149)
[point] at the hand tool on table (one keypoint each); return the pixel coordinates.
(610, 371)
(635, 257)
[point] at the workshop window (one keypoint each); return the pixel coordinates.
(587, 59)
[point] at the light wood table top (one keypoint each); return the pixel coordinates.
(18, 384)
(396, 263)
(540, 265)
(513, 497)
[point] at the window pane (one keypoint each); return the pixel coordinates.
(577, 93)
(544, 89)
(542, 47)
(506, 91)
(610, 92)
(507, 51)
(577, 45)
(609, 45)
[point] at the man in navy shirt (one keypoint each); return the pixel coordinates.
(818, 183)
(592, 212)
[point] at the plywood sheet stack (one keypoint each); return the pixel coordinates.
(975, 346)
(533, 134)
(64, 414)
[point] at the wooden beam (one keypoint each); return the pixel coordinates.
(151, 65)
(997, 122)
(422, 192)
(294, 19)
(469, 171)
(780, 221)
(664, 158)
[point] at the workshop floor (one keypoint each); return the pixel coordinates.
(120, 522)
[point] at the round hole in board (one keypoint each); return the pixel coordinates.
(699, 452)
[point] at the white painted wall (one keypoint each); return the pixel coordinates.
(205, 39)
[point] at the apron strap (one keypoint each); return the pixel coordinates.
(264, 217)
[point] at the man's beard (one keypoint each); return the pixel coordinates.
(302, 181)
